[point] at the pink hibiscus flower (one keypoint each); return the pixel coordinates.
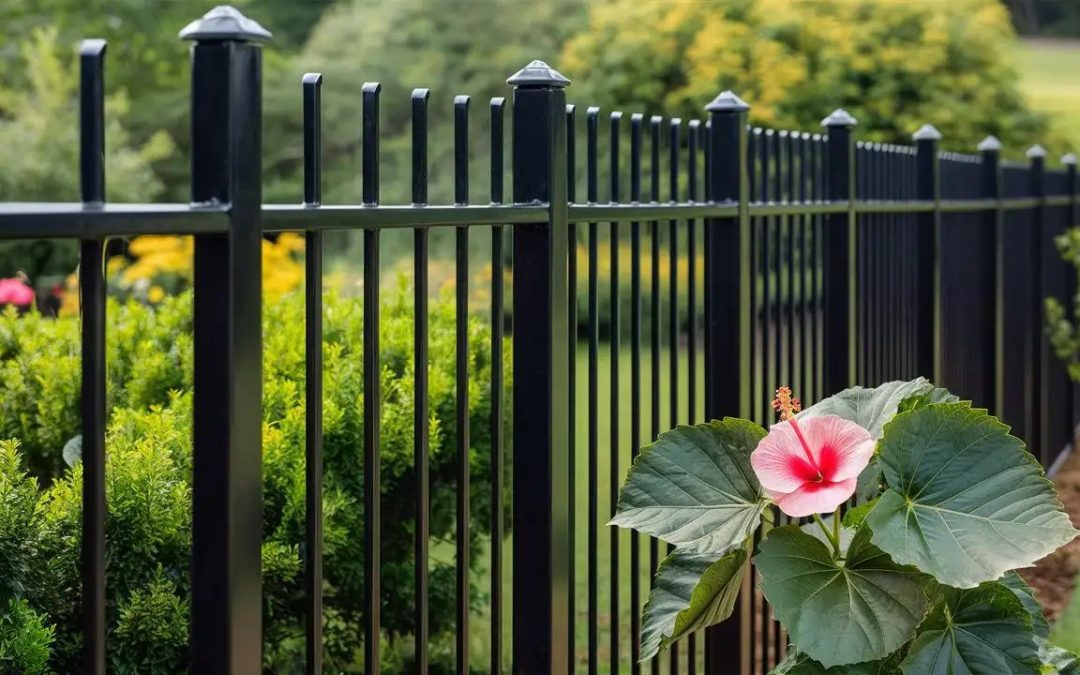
(810, 466)
(15, 292)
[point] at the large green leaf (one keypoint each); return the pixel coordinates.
(798, 663)
(981, 631)
(869, 484)
(694, 487)
(692, 590)
(872, 408)
(839, 612)
(964, 502)
(1023, 592)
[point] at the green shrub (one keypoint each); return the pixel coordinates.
(25, 634)
(149, 467)
(24, 639)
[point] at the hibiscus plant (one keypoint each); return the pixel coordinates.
(891, 522)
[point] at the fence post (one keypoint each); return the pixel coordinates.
(226, 584)
(838, 252)
(1069, 162)
(728, 285)
(990, 150)
(1039, 399)
(928, 299)
(541, 375)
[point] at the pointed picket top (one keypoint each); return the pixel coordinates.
(225, 22)
(92, 47)
(1069, 159)
(727, 101)
(926, 132)
(1036, 152)
(538, 74)
(839, 118)
(989, 144)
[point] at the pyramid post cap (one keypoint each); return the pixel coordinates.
(538, 74)
(989, 144)
(727, 101)
(926, 132)
(1069, 159)
(839, 118)
(225, 22)
(1036, 152)
(92, 47)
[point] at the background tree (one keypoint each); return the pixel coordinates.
(893, 65)
(41, 150)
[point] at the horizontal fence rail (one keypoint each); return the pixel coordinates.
(708, 263)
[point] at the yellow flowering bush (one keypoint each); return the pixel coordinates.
(159, 266)
(894, 64)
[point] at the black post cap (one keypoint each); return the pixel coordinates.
(727, 101)
(225, 22)
(926, 132)
(839, 118)
(538, 74)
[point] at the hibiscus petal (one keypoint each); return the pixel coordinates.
(814, 498)
(779, 460)
(842, 448)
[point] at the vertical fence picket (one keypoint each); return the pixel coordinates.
(674, 419)
(1069, 161)
(635, 381)
(592, 124)
(92, 308)
(614, 326)
(461, 380)
(421, 411)
(497, 384)
(655, 338)
(313, 377)
(1038, 397)
(372, 389)
(692, 143)
(571, 364)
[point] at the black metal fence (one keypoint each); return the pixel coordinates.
(813, 260)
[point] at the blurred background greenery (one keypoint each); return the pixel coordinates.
(971, 68)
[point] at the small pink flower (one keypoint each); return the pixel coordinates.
(15, 292)
(811, 466)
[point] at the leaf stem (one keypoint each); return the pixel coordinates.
(834, 539)
(836, 529)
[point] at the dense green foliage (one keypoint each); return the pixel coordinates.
(894, 65)
(148, 477)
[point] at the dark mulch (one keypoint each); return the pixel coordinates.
(1054, 577)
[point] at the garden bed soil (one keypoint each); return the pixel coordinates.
(1054, 577)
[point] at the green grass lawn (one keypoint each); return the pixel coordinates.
(1050, 77)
